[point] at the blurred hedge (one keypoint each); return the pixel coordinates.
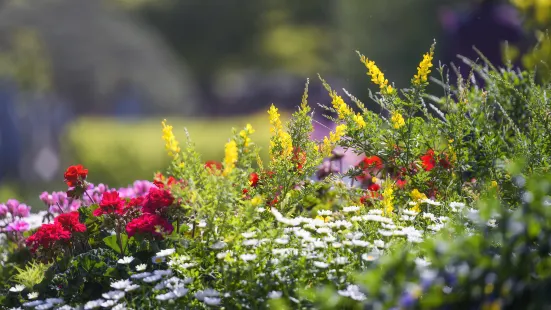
(117, 152)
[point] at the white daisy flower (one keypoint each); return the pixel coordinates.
(250, 242)
(17, 288)
(431, 202)
(325, 212)
(131, 288)
(421, 262)
(167, 272)
(141, 267)
(165, 297)
(141, 275)
(93, 304)
(491, 223)
(33, 303)
(379, 243)
(153, 278)
(212, 301)
(125, 260)
(341, 260)
(281, 241)
(32, 295)
(55, 301)
(119, 307)
(115, 295)
(223, 255)
(360, 243)
(275, 294)
(121, 284)
(108, 303)
(247, 257)
(218, 245)
(350, 209)
(44, 306)
(165, 252)
(353, 291)
(248, 235)
(369, 257)
(321, 265)
(157, 259)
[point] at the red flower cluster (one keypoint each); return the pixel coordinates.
(157, 199)
(253, 179)
(110, 203)
(161, 182)
(60, 230)
(213, 165)
(299, 158)
(428, 161)
(75, 175)
(70, 222)
(149, 224)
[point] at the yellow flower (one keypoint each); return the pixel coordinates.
(424, 68)
(256, 201)
(388, 197)
(230, 156)
(397, 120)
(334, 138)
(417, 197)
(343, 110)
(359, 120)
(171, 144)
(377, 76)
(274, 120)
(286, 143)
(245, 134)
(323, 218)
(493, 184)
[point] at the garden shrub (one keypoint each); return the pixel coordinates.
(447, 209)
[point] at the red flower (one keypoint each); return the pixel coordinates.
(157, 199)
(46, 236)
(213, 165)
(371, 162)
(135, 202)
(70, 222)
(374, 187)
(151, 224)
(401, 183)
(160, 181)
(299, 158)
(110, 203)
(366, 199)
(428, 160)
(75, 175)
(444, 162)
(253, 179)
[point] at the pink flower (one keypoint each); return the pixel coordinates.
(18, 226)
(47, 198)
(3, 210)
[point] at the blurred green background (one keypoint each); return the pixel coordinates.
(113, 69)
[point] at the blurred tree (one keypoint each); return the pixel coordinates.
(537, 15)
(393, 33)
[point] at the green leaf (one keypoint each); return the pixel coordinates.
(111, 241)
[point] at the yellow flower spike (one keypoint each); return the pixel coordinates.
(171, 144)
(286, 143)
(397, 120)
(388, 197)
(417, 197)
(359, 120)
(274, 120)
(377, 76)
(343, 110)
(230, 156)
(424, 68)
(245, 134)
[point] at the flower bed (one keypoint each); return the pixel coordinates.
(446, 208)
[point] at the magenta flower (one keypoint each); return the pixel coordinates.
(22, 210)
(12, 205)
(3, 210)
(47, 198)
(18, 226)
